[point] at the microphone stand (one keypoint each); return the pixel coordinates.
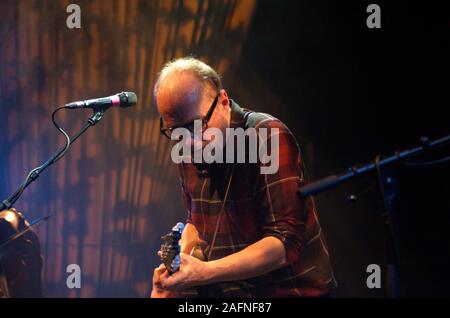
(8, 202)
(387, 189)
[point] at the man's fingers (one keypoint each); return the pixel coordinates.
(165, 275)
(158, 271)
(164, 280)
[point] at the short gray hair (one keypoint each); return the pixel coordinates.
(202, 71)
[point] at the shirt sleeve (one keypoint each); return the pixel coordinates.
(283, 212)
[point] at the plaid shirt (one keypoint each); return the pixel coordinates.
(260, 205)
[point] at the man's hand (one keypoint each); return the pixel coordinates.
(192, 272)
(157, 290)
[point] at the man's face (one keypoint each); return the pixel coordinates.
(182, 98)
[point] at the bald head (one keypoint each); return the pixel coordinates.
(179, 97)
(184, 90)
(202, 71)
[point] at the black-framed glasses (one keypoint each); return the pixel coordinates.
(167, 131)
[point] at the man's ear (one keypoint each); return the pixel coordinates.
(224, 101)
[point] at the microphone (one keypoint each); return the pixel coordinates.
(122, 100)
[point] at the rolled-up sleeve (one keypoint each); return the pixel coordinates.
(283, 212)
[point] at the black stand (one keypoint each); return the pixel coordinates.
(8, 202)
(387, 187)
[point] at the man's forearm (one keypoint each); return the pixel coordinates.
(257, 259)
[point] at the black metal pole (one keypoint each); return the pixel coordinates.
(358, 170)
(388, 191)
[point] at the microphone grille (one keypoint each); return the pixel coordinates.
(127, 99)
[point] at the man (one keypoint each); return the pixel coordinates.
(260, 239)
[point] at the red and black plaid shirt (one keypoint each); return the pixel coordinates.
(260, 205)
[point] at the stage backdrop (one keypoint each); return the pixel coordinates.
(116, 191)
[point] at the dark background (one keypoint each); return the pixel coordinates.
(347, 92)
(350, 93)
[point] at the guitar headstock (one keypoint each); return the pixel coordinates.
(170, 249)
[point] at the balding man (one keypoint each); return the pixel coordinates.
(259, 238)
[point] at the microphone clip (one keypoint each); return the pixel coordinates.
(97, 116)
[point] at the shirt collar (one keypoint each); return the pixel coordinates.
(237, 115)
